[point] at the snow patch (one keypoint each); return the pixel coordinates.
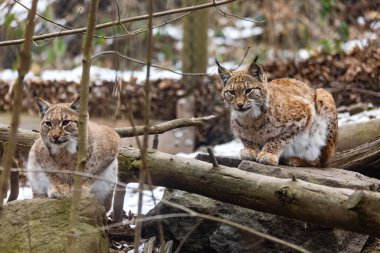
(131, 198)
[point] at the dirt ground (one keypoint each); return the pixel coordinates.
(172, 142)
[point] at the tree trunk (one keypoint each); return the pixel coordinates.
(194, 50)
(41, 225)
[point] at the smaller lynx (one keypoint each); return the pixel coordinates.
(56, 149)
(283, 120)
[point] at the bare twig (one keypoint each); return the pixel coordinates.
(143, 167)
(155, 142)
(145, 63)
(229, 15)
(184, 239)
(113, 23)
(164, 127)
(212, 157)
(242, 60)
(83, 123)
(25, 59)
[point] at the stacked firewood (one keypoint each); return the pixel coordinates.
(350, 78)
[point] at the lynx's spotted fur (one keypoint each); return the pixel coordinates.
(282, 120)
(56, 149)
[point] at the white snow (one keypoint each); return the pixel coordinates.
(98, 74)
(131, 198)
(345, 118)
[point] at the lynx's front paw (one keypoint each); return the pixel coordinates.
(248, 154)
(58, 191)
(267, 158)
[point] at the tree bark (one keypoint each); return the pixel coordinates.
(353, 135)
(41, 225)
(355, 210)
(364, 159)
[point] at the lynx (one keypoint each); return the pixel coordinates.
(56, 150)
(283, 121)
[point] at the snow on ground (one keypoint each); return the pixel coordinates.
(131, 198)
(345, 118)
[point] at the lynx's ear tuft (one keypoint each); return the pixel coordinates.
(42, 105)
(224, 73)
(75, 105)
(256, 71)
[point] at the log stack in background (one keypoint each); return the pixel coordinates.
(351, 78)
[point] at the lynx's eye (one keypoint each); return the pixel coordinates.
(248, 91)
(231, 93)
(65, 122)
(47, 124)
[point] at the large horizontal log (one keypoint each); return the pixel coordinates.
(355, 210)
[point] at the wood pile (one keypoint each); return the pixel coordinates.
(351, 78)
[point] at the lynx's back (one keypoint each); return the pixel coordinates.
(282, 120)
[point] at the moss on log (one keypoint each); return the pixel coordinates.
(41, 225)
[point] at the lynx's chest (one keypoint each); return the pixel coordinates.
(254, 130)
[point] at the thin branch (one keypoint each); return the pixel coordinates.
(212, 158)
(186, 237)
(123, 21)
(141, 30)
(144, 167)
(230, 15)
(242, 60)
(43, 17)
(83, 123)
(25, 59)
(164, 127)
(145, 63)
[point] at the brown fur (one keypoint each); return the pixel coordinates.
(283, 119)
(56, 149)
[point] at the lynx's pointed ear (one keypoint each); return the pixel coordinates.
(256, 71)
(42, 105)
(75, 105)
(224, 73)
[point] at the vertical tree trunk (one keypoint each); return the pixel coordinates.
(194, 50)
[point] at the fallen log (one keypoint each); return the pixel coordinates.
(353, 135)
(350, 209)
(364, 159)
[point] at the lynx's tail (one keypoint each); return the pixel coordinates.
(325, 106)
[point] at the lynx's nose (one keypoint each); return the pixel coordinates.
(240, 106)
(55, 137)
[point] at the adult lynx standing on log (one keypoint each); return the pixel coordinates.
(56, 149)
(284, 120)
